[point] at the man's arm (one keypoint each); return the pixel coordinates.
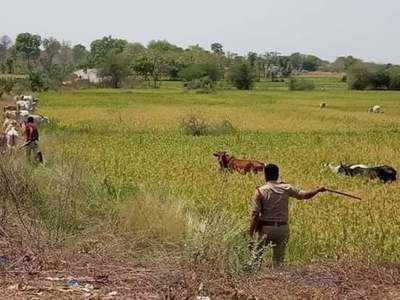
(311, 194)
(255, 213)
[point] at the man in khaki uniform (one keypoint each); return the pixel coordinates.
(270, 214)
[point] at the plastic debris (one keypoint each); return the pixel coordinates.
(4, 262)
(72, 283)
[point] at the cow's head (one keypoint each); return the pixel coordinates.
(340, 169)
(223, 159)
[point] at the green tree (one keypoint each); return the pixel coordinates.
(296, 60)
(394, 77)
(29, 46)
(163, 46)
(217, 48)
(80, 56)
(311, 63)
(361, 76)
(241, 75)
(100, 49)
(115, 68)
(51, 48)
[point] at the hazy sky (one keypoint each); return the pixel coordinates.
(368, 29)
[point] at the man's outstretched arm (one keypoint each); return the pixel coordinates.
(311, 194)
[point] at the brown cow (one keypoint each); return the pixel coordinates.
(10, 108)
(242, 166)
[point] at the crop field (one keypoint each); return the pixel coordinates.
(168, 196)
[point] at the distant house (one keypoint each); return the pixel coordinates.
(90, 75)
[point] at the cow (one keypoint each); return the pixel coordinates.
(10, 108)
(376, 109)
(383, 173)
(243, 166)
(11, 136)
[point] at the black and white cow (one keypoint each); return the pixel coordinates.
(383, 173)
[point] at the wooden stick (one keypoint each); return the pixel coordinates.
(344, 194)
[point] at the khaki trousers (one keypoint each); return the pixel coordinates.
(277, 237)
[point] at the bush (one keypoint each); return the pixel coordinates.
(22, 86)
(6, 85)
(195, 125)
(301, 84)
(38, 82)
(241, 75)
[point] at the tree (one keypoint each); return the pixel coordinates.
(28, 45)
(163, 46)
(115, 68)
(51, 50)
(199, 71)
(296, 60)
(394, 76)
(252, 58)
(217, 48)
(5, 44)
(80, 56)
(311, 63)
(343, 63)
(100, 49)
(241, 75)
(361, 76)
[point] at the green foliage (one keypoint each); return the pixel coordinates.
(38, 81)
(199, 71)
(301, 84)
(6, 85)
(80, 56)
(241, 75)
(371, 76)
(311, 63)
(100, 49)
(394, 78)
(28, 45)
(114, 69)
(217, 48)
(162, 46)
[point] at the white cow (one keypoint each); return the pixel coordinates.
(11, 136)
(376, 109)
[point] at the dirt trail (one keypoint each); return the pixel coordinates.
(80, 275)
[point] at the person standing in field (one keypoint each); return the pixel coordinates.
(270, 216)
(32, 139)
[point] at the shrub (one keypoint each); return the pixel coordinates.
(241, 75)
(195, 125)
(224, 127)
(6, 86)
(38, 82)
(301, 84)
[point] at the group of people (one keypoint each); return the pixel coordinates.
(14, 128)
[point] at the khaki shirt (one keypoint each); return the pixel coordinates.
(271, 201)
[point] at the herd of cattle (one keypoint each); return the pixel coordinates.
(382, 173)
(15, 117)
(376, 109)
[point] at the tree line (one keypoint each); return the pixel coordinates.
(48, 63)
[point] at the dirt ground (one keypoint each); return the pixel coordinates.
(75, 275)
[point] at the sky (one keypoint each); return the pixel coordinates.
(366, 29)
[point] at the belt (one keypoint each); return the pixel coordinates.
(272, 223)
